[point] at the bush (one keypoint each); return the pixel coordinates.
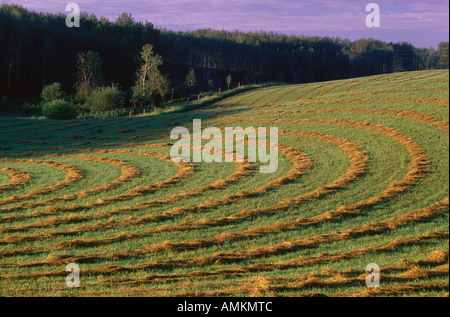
(32, 109)
(105, 99)
(52, 92)
(59, 110)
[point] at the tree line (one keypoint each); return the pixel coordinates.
(37, 49)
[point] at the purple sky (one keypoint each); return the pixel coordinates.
(424, 23)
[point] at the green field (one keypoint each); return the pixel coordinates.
(363, 178)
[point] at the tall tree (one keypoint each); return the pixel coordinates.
(89, 66)
(443, 55)
(229, 81)
(150, 86)
(191, 80)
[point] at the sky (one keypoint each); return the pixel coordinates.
(424, 23)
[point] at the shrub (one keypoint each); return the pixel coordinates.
(105, 98)
(32, 109)
(52, 92)
(82, 94)
(59, 110)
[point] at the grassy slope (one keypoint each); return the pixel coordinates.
(179, 223)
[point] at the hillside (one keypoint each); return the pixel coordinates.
(362, 178)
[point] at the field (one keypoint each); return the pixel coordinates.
(363, 178)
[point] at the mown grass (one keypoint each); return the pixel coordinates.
(389, 162)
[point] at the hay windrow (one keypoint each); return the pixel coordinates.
(17, 177)
(137, 239)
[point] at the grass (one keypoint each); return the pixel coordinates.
(140, 225)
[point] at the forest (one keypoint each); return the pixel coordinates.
(38, 49)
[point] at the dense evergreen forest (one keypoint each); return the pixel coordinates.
(37, 49)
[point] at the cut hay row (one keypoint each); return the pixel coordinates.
(359, 160)
(184, 170)
(261, 286)
(287, 93)
(355, 101)
(390, 92)
(239, 256)
(419, 116)
(262, 97)
(303, 94)
(244, 169)
(17, 177)
(128, 173)
(411, 269)
(264, 286)
(399, 290)
(239, 234)
(41, 126)
(400, 186)
(228, 105)
(73, 174)
(420, 77)
(14, 125)
(389, 78)
(415, 115)
(301, 164)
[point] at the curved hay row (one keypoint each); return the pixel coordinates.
(285, 94)
(258, 286)
(419, 116)
(254, 268)
(128, 173)
(244, 169)
(415, 78)
(73, 174)
(228, 99)
(210, 108)
(15, 125)
(220, 109)
(388, 92)
(17, 177)
(171, 121)
(345, 83)
(299, 97)
(329, 279)
(396, 290)
(64, 127)
(379, 79)
(404, 77)
(417, 168)
(30, 128)
(76, 135)
(238, 256)
(255, 232)
(302, 163)
(353, 101)
(443, 81)
(271, 92)
(263, 287)
(436, 258)
(185, 169)
(359, 160)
